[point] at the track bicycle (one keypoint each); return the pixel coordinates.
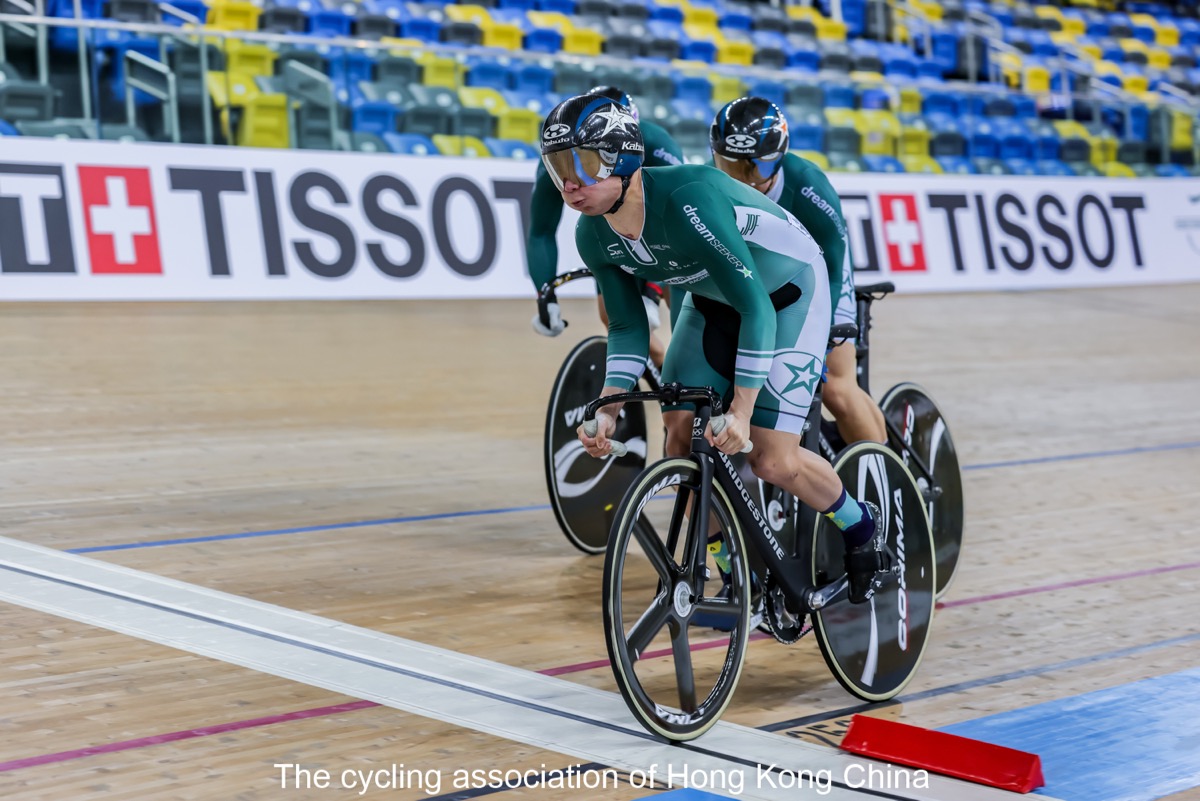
(658, 577)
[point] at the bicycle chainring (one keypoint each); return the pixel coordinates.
(782, 624)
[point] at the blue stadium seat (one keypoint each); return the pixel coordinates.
(1171, 171)
(802, 58)
(374, 117)
(1020, 166)
(1015, 140)
(410, 144)
(511, 149)
(692, 110)
(774, 91)
(883, 164)
(532, 78)
(486, 72)
(839, 95)
(561, 6)
(7, 129)
(982, 139)
(1054, 167)
(956, 165)
(694, 88)
(940, 103)
(540, 102)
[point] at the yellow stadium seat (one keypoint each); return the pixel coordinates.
(703, 16)
(810, 13)
(583, 42)
(880, 131)
(726, 87)
(1074, 26)
(914, 140)
(483, 97)
(868, 78)
(910, 100)
(1115, 169)
(1071, 129)
(448, 145)
(842, 116)
(1159, 59)
(551, 19)
(265, 122)
(735, 52)
(1104, 68)
(831, 30)
(924, 164)
(1136, 84)
(439, 70)
(495, 34)
(816, 157)
(1104, 149)
(1011, 67)
(1133, 45)
(1167, 36)
(1064, 38)
(1049, 12)
(520, 124)
(467, 13)
(503, 35)
(931, 9)
(1181, 130)
(249, 59)
(233, 15)
(1092, 50)
(902, 35)
(467, 146)
(1037, 79)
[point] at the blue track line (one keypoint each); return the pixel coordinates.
(544, 507)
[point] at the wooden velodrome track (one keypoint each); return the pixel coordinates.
(348, 441)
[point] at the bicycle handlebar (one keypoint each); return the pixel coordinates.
(547, 294)
(670, 394)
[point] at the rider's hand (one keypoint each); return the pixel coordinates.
(652, 295)
(550, 325)
(735, 436)
(600, 445)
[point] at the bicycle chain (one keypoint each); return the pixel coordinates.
(781, 624)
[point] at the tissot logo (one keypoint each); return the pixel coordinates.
(902, 233)
(35, 225)
(118, 208)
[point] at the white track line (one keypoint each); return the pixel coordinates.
(507, 702)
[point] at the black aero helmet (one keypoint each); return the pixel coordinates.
(748, 139)
(619, 95)
(588, 138)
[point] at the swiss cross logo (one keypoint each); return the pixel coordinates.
(902, 233)
(118, 207)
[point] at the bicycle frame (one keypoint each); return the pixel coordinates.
(788, 569)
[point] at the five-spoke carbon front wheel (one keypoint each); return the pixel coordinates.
(676, 633)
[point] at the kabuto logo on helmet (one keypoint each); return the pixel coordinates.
(741, 141)
(556, 131)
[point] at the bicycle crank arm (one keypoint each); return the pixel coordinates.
(822, 596)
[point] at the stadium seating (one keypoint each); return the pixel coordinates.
(975, 86)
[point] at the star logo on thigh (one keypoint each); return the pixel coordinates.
(793, 378)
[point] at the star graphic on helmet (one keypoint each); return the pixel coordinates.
(615, 118)
(745, 271)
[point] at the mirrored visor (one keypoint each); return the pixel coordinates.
(749, 171)
(576, 165)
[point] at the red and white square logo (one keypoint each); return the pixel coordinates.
(902, 233)
(118, 208)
